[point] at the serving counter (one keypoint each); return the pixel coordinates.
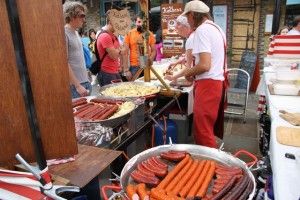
(286, 170)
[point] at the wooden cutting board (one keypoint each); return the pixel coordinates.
(292, 118)
(288, 136)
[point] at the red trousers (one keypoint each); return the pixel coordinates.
(208, 94)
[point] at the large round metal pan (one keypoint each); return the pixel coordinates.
(197, 151)
(125, 84)
(113, 122)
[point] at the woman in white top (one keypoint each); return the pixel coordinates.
(208, 46)
(183, 29)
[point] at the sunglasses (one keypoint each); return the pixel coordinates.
(139, 22)
(81, 16)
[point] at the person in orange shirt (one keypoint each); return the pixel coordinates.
(135, 36)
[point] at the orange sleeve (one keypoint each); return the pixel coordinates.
(127, 39)
(151, 39)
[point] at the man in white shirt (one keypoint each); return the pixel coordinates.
(296, 27)
(208, 74)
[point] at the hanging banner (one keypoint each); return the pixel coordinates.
(173, 43)
(120, 20)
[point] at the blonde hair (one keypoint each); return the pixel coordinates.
(183, 20)
(72, 9)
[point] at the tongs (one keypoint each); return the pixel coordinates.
(43, 177)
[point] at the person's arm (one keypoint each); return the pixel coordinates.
(153, 52)
(152, 48)
(177, 76)
(73, 81)
(189, 57)
(203, 66)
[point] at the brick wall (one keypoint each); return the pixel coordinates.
(93, 17)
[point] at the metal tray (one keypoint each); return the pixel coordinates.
(128, 83)
(114, 122)
(196, 151)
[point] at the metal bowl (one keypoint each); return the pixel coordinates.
(196, 151)
(125, 84)
(113, 122)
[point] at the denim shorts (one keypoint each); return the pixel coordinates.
(134, 69)
(106, 78)
(86, 85)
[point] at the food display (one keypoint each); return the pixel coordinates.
(175, 69)
(180, 175)
(130, 90)
(97, 109)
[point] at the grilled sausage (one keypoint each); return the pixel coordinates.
(107, 101)
(238, 189)
(159, 162)
(145, 171)
(225, 189)
(247, 191)
(157, 171)
(109, 113)
(173, 155)
(142, 192)
(140, 178)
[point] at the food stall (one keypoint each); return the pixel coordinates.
(283, 103)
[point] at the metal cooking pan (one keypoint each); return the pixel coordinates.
(129, 83)
(196, 151)
(114, 122)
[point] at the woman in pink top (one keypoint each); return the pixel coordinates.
(158, 45)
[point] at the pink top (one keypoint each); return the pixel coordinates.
(159, 55)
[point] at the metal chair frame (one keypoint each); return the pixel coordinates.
(239, 91)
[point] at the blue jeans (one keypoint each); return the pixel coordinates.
(86, 85)
(134, 69)
(106, 78)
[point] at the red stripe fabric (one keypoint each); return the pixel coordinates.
(5, 174)
(23, 191)
(288, 44)
(285, 45)
(285, 52)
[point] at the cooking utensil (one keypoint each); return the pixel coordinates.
(198, 152)
(113, 122)
(126, 84)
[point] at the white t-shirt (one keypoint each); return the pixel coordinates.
(209, 39)
(293, 32)
(189, 41)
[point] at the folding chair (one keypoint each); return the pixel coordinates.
(236, 90)
(240, 79)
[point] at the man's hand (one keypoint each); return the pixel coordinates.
(150, 61)
(123, 50)
(128, 75)
(169, 77)
(189, 78)
(81, 90)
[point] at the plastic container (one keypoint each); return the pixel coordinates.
(285, 89)
(171, 131)
(287, 74)
(281, 62)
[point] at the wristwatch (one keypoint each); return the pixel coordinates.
(125, 73)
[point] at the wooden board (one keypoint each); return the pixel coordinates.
(292, 118)
(88, 164)
(43, 34)
(288, 136)
(45, 51)
(14, 127)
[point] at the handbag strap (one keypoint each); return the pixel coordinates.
(226, 81)
(96, 49)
